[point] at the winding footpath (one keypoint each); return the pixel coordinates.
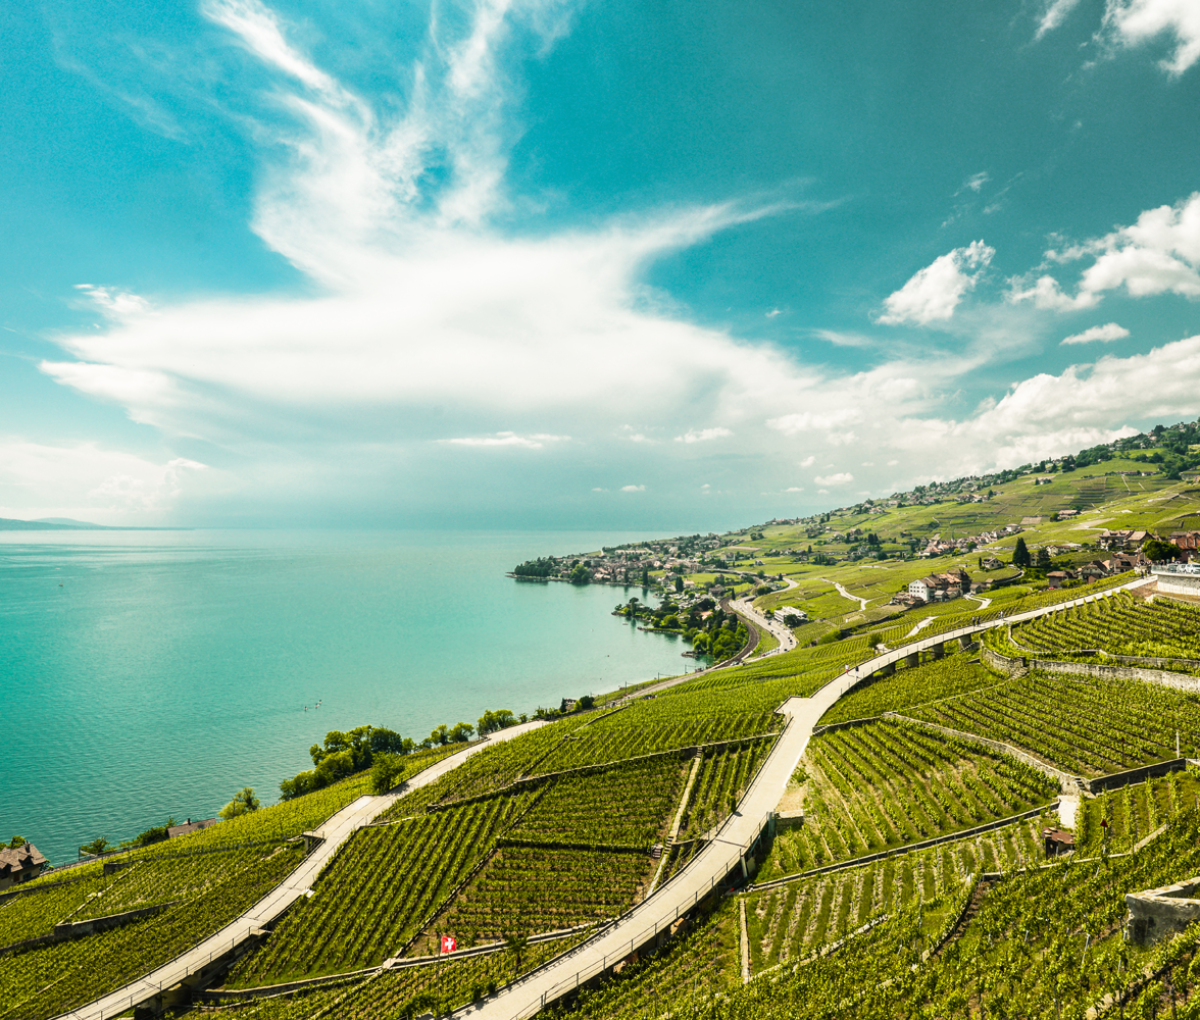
(723, 856)
(335, 831)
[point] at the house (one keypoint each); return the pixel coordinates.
(1058, 578)
(1185, 539)
(919, 589)
(175, 831)
(1058, 841)
(20, 864)
(1093, 571)
(1120, 539)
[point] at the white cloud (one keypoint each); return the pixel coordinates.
(841, 478)
(808, 461)
(536, 441)
(794, 488)
(703, 435)
(773, 312)
(933, 293)
(976, 182)
(118, 303)
(810, 421)
(87, 481)
(1133, 22)
(1107, 333)
(1158, 254)
(599, 489)
(841, 339)
(1054, 15)
(633, 488)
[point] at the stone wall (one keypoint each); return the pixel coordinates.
(1157, 913)
(1180, 681)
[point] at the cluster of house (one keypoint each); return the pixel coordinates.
(952, 584)
(1128, 539)
(20, 864)
(938, 546)
(1117, 563)
(1188, 541)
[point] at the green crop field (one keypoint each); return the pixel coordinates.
(1084, 726)
(881, 785)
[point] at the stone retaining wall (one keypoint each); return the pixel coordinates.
(1180, 681)
(77, 929)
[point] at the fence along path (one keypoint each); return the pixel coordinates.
(335, 831)
(636, 927)
(641, 925)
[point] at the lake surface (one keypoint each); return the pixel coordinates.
(147, 674)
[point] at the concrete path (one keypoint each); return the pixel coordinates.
(983, 603)
(862, 603)
(712, 865)
(336, 830)
(633, 929)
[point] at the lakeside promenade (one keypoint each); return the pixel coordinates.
(637, 927)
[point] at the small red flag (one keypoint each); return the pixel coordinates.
(1104, 822)
(448, 944)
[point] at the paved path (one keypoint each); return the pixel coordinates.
(336, 830)
(711, 866)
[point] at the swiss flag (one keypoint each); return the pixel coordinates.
(448, 944)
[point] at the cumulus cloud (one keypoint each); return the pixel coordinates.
(633, 488)
(841, 478)
(933, 293)
(1133, 22)
(808, 461)
(88, 481)
(703, 435)
(537, 441)
(1106, 334)
(1158, 254)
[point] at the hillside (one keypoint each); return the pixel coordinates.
(851, 827)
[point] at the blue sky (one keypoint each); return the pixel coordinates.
(548, 264)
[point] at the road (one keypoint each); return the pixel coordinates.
(336, 830)
(633, 929)
(710, 867)
(778, 630)
(862, 603)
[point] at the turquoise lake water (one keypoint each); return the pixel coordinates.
(147, 674)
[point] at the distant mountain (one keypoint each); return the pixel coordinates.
(68, 522)
(9, 524)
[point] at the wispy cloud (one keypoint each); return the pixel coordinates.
(501, 439)
(840, 478)
(1107, 333)
(633, 488)
(703, 435)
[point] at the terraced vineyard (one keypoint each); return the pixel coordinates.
(1133, 812)
(374, 896)
(794, 921)
(724, 775)
(525, 890)
(1121, 625)
(663, 724)
(908, 687)
(1085, 726)
(48, 980)
(626, 806)
(882, 785)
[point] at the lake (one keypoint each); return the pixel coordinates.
(153, 673)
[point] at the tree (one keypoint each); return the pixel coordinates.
(586, 702)
(679, 584)
(490, 721)
(1042, 558)
(16, 842)
(384, 771)
(1156, 550)
(440, 736)
(243, 803)
(1021, 557)
(95, 848)
(461, 733)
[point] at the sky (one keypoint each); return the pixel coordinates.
(541, 263)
